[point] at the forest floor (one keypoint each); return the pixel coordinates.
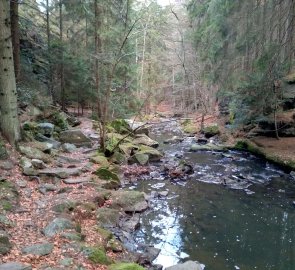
(34, 212)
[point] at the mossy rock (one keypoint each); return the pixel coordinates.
(108, 217)
(153, 154)
(210, 131)
(119, 158)
(105, 234)
(129, 201)
(98, 255)
(125, 266)
(106, 174)
(120, 126)
(189, 127)
(101, 160)
(127, 148)
(8, 195)
(60, 121)
(114, 245)
(140, 158)
(66, 206)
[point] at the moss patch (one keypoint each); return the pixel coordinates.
(98, 255)
(106, 174)
(189, 127)
(246, 145)
(211, 131)
(125, 266)
(8, 195)
(120, 126)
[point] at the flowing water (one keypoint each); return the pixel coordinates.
(245, 221)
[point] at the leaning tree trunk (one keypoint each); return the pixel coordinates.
(9, 122)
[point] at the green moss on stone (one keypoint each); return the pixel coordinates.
(98, 255)
(125, 266)
(106, 174)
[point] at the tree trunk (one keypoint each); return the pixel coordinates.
(62, 79)
(15, 37)
(9, 122)
(97, 25)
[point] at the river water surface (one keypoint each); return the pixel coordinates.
(235, 212)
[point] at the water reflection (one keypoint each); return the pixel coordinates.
(221, 227)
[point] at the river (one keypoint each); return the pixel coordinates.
(236, 211)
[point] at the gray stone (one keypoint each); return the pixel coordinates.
(5, 221)
(46, 129)
(130, 223)
(108, 217)
(72, 236)
(79, 180)
(15, 266)
(129, 201)
(145, 140)
(21, 183)
(31, 152)
(5, 245)
(6, 165)
(67, 160)
(58, 225)
(68, 147)
(189, 265)
(30, 171)
(38, 249)
(60, 172)
(25, 162)
(140, 158)
(38, 164)
(44, 188)
(41, 138)
(76, 137)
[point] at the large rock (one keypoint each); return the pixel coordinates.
(211, 130)
(41, 138)
(8, 195)
(24, 162)
(38, 249)
(76, 137)
(140, 158)
(101, 160)
(60, 172)
(189, 265)
(129, 201)
(58, 225)
(15, 266)
(106, 174)
(5, 245)
(69, 148)
(107, 217)
(145, 140)
(46, 129)
(79, 180)
(153, 154)
(35, 153)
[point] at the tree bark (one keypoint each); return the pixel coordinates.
(15, 37)
(62, 79)
(9, 122)
(97, 25)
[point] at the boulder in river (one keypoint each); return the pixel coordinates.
(145, 140)
(129, 201)
(189, 265)
(211, 130)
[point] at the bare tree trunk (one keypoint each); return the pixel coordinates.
(15, 37)
(9, 122)
(50, 71)
(97, 26)
(62, 79)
